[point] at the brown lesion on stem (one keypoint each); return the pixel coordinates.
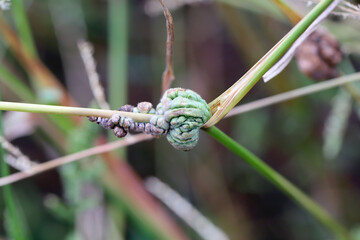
(168, 74)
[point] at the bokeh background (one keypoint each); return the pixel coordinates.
(216, 42)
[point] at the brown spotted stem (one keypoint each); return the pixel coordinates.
(76, 111)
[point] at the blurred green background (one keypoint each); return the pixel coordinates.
(216, 42)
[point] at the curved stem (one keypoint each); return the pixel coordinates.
(282, 183)
(227, 100)
(77, 111)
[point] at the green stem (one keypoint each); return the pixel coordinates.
(290, 14)
(118, 45)
(23, 26)
(293, 35)
(117, 72)
(27, 42)
(226, 101)
(77, 111)
(141, 211)
(346, 68)
(282, 183)
(25, 34)
(24, 93)
(15, 226)
(15, 85)
(118, 57)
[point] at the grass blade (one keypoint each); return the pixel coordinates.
(23, 26)
(289, 95)
(227, 100)
(15, 226)
(282, 183)
(129, 194)
(118, 48)
(15, 85)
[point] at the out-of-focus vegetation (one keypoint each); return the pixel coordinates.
(216, 42)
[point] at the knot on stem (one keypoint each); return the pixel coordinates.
(185, 112)
(180, 115)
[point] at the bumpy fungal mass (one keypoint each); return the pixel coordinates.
(185, 112)
(180, 115)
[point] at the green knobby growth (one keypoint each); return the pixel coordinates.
(180, 115)
(186, 112)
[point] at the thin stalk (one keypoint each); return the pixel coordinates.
(346, 68)
(168, 74)
(54, 163)
(76, 111)
(24, 93)
(118, 15)
(25, 36)
(282, 183)
(32, 65)
(24, 48)
(148, 214)
(23, 26)
(289, 13)
(289, 95)
(118, 11)
(14, 223)
(226, 101)
(352, 90)
(118, 48)
(15, 85)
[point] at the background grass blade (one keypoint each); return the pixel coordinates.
(279, 181)
(118, 49)
(227, 100)
(23, 27)
(13, 219)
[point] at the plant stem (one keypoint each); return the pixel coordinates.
(289, 13)
(282, 183)
(118, 45)
(129, 194)
(227, 100)
(296, 93)
(23, 26)
(77, 111)
(54, 163)
(15, 85)
(44, 78)
(23, 92)
(346, 68)
(15, 226)
(118, 15)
